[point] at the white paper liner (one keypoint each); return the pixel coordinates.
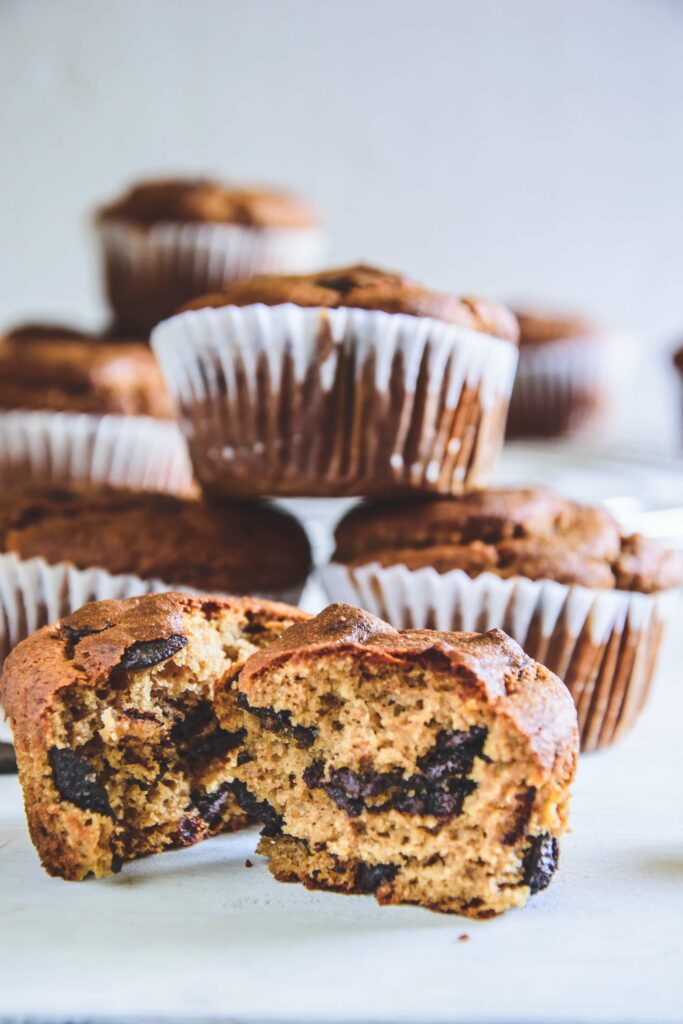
(550, 620)
(169, 263)
(136, 452)
(34, 593)
(239, 365)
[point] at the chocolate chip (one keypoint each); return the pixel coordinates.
(341, 283)
(521, 816)
(439, 789)
(8, 764)
(540, 861)
(74, 636)
(248, 863)
(369, 877)
(211, 805)
(191, 830)
(146, 653)
(76, 781)
(280, 721)
(200, 738)
(453, 753)
(260, 809)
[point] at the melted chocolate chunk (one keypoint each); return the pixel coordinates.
(440, 788)
(369, 877)
(540, 861)
(76, 781)
(280, 721)
(522, 814)
(146, 653)
(453, 753)
(211, 805)
(260, 809)
(200, 738)
(74, 637)
(190, 830)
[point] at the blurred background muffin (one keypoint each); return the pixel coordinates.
(562, 381)
(167, 241)
(77, 406)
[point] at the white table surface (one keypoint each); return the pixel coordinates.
(195, 935)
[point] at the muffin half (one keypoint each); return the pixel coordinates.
(119, 750)
(424, 767)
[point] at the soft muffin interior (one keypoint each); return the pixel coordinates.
(144, 756)
(375, 779)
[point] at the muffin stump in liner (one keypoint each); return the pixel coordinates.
(293, 401)
(134, 452)
(150, 271)
(560, 387)
(602, 643)
(34, 593)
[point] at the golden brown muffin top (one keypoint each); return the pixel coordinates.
(200, 199)
(490, 665)
(48, 366)
(529, 532)
(537, 326)
(365, 287)
(86, 648)
(229, 547)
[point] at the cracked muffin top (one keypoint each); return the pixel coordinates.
(490, 665)
(537, 326)
(228, 547)
(196, 200)
(48, 366)
(365, 287)
(529, 532)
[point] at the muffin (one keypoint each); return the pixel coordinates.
(167, 241)
(344, 382)
(77, 406)
(559, 577)
(62, 547)
(424, 767)
(120, 754)
(562, 374)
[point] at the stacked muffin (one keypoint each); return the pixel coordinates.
(83, 416)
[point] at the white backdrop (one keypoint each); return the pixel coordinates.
(523, 148)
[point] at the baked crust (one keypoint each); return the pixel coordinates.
(45, 366)
(226, 546)
(530, 532)
(200, 199)
(366, 287)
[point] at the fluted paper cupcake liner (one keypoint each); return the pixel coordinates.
(34, 593)
(151, 272)
(563, 387)
(602, 643)
(293, 401)
(136, 452)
